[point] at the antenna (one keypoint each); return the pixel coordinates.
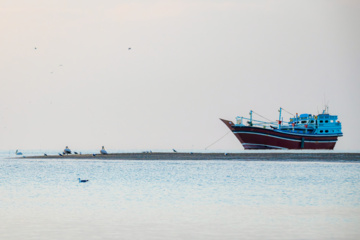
(326, 105)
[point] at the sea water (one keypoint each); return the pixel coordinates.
(211, 199)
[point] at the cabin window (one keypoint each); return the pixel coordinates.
(326, 121)
(321, 121)
(326, 131)
(321, 131)
(303, 121)
(312, 121)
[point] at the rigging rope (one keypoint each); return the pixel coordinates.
(262, 116)
(217, 140)
(288, 112)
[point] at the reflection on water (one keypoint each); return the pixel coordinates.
(42, 199)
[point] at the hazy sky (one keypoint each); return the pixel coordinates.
(191, 62)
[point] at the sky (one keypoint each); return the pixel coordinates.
(68, 78)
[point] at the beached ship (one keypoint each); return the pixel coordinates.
(304, 131)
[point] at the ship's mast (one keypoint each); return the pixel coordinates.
(280, 118)
(251, 118)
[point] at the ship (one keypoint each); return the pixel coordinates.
(302, 131)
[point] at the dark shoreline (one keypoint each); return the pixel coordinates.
(351, 157)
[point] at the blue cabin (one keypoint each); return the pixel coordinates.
(322, 124)
(328, 124)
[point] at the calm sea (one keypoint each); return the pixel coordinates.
(43, 199)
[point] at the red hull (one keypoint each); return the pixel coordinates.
(260, 138)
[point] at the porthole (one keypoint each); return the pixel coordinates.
(312, 121)
(321, 131)
(326, 131)
(303, 121)
(321, 121)
(326, 121)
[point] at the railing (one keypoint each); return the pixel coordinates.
(252, 122)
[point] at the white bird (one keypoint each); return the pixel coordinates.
(18, 153)
(67, 150)
(103, 151)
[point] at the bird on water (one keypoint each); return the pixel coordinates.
(18, 153)
(82, 180)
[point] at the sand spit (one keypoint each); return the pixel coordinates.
(353, 157)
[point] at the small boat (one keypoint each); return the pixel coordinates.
(80, 180)
(304, 131)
